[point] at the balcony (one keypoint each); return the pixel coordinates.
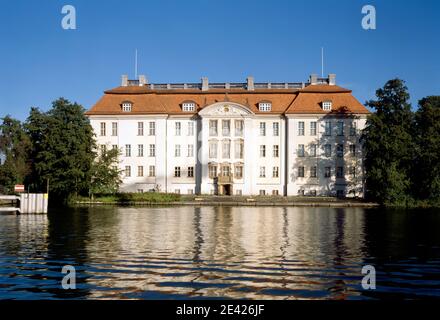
(225, 179)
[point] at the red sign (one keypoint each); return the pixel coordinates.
(19, 188)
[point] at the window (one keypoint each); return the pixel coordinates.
(114, 128)
(152, 129)
(327, 105)
(140, 190)
(188, 106)
(126, 106)
(127, 171)
(301, 192)
(177, 150)
(140, 171)
(152, 150)
(352, 128)
(313, 150)
(140, 150)
(340, 128)
(239, 149)
(265, 106)
(262, 151)
(276, 151)
(339, 172)
(275, 172)
(213, 149)
(262, 192)
(177, 172)
(212, 171)
(213, 128)
(340, 150)
(313, 193)
(327, 172)
(300, 150)
(226, 128)
(353, 149)
(313, 172)
(226, 149)
(190, 172)
(178, 128)
(353, 171)
(226, 171)
(328, 150)
(190, 150)
(177, 191)
(128, 150)
(152, 171)
(262, 129)
(239, 172)
(300, 172)
(262, 172)
(115, 146)
(239, 125)
(140, 128)
(301, 128)
(313, 128)
(238, 192)
(190, 191)
(276, 129)
(103, 149)
(275, 192)
(102, 129)
(190, 128)
(328, 128)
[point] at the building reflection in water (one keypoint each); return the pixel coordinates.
(234, 252)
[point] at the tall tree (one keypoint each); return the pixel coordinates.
(62, 149)
(14, 150)
(389, 145)
(105, 175)
(427, 166)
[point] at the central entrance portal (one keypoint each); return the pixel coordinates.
(226, 190)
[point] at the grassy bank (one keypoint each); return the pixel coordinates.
(162, 198)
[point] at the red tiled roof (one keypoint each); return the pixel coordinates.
(289, 101)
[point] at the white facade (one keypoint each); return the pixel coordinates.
(270, 162)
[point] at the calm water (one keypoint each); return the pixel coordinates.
(220, 252)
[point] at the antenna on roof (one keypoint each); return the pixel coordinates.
(136, 64)
(322, 62)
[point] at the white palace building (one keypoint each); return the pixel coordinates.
(234, 138)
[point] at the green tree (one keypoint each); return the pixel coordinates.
(389, 145)
(14, 151)
(105, 175)
(427, 164)
(62, 149)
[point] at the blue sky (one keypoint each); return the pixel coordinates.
(225, 40)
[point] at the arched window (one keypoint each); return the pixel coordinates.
(265, 106)
(188, 106)
(327, 105)
(127, 106)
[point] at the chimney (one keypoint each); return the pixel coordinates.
(332, 79)
(142, 80)
(313, 79)
(205, 84)
(124, 81)
(250, 83)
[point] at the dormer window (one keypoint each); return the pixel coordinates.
(127, 106)
(265, 106)
(188, 106)
(327, 105)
